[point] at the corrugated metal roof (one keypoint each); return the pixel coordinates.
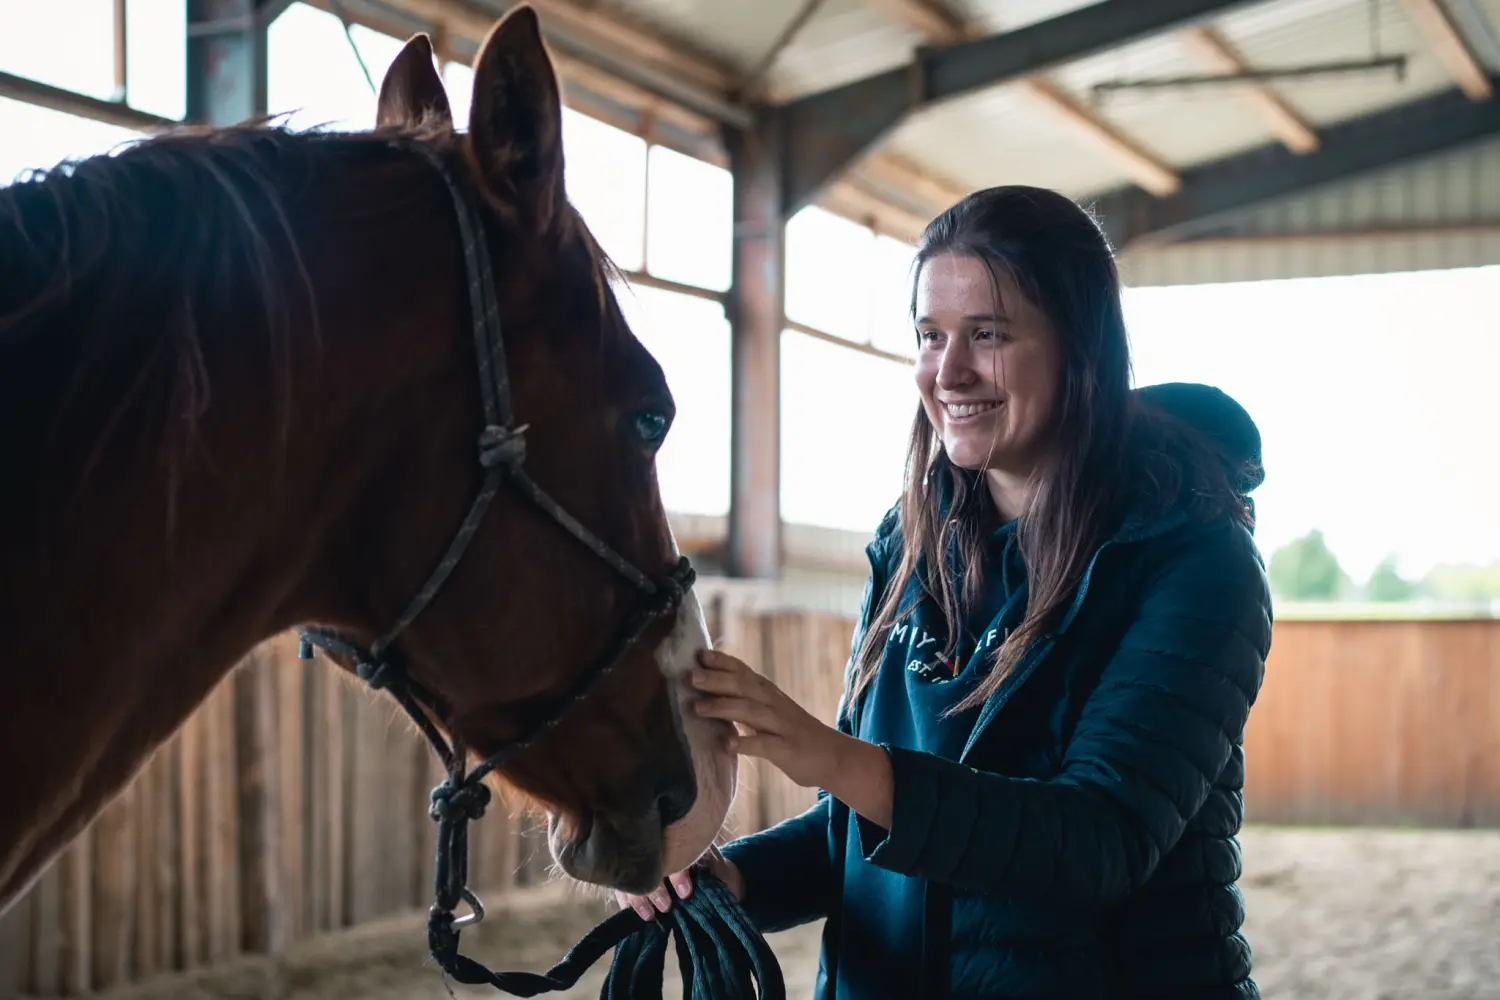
(1192, 263)
(998, 136)
(992, 138)
(844, 41)
(1439, 212)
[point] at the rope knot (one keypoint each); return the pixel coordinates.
(502, 446)
(464, 802)
(675, 586)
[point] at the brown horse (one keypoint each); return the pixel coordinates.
(238, 394)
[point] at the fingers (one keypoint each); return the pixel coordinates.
(682, 884)
(640, 904)
(715, 659)
(761, 745)
(755, 714)
(720, 673)
(659, 900)
(717, 680)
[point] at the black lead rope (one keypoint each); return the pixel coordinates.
(705, 929)
(722, 956)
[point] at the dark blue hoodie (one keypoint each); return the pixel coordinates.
(1074, 836)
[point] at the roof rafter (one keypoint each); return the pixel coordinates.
(939, 26)
(1449, 46)
(1216, 53)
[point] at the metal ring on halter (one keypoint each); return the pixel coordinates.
(475, 917)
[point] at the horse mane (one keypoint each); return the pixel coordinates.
(170, 231)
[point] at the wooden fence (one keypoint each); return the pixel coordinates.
(294, 801)
(1378, 722)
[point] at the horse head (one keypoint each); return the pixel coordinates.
(635, 784)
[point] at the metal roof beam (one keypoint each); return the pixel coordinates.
(226, 61)
(269, 10)
(825, 131)
(1384, 139)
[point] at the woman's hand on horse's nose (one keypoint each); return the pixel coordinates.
(649, 905)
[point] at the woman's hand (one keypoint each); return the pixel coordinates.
(682, 884)
(810, 753)
(774, 726)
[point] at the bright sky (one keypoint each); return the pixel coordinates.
(1371, 392)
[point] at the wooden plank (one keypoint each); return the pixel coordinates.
(15, 948)
(262, 911)
(495, 844)
(165, 857)
(781, 663)
(191, 946)
(77, 925)
(291, 772)
(369, 799)
(403, 806)
(336, 740)
(45, 974)
(1452, 49)
(1486, 749)
(510, 841)
(145, 918)
(1211, 48)
(350, 702)
(740, 636)
(221, 884)
(318, 797)
(113, 890)
(1145, 167)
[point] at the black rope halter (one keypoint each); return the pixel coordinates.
(717, 947)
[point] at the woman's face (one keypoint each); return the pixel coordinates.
(987, 370)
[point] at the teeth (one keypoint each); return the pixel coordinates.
(969, 409)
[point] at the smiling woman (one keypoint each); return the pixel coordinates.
(1033, 786)
(987, 377)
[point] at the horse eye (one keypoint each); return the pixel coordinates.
(651, 426)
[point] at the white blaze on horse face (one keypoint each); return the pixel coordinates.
(715, 769)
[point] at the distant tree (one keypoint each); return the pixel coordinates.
(1306, 569)
(1387, 583)
(1462, 582)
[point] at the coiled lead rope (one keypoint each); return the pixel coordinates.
(720, 954)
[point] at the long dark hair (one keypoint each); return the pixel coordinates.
(1056, 255)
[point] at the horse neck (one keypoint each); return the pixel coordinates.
(148, 550)
(131, 587)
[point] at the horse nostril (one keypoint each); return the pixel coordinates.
(675, 803)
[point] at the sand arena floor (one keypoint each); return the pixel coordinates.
(1334, 915)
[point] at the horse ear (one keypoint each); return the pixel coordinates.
(412, 89)
(515, 119)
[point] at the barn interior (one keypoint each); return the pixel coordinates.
(1304, 200)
